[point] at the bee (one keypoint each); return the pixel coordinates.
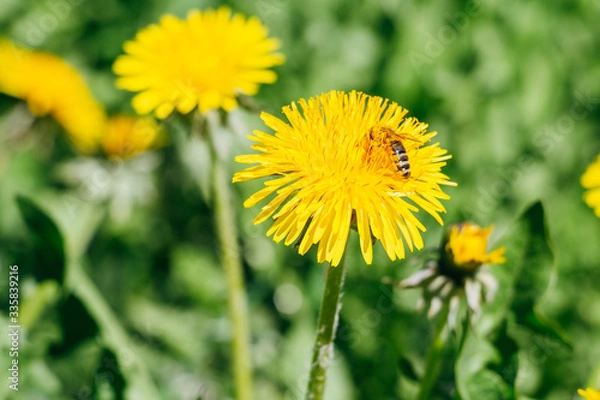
(394, 140)
(402, 162)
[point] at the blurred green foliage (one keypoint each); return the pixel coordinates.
(512, 87)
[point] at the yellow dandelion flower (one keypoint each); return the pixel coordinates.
(343, 160)
(126, 137)
(591, 180)
(589, 394)
(204, 61)
(51, 86)
(466, 247)
(458, 273)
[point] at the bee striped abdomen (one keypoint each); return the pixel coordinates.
(402, 158)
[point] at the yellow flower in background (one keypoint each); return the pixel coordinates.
(458, 273)
(126, 137)
(52, 87)
(204, 61)
(344, 160)
(589, 394)
(591, 180)
(467, 244)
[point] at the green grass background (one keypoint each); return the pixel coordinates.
(513, 89)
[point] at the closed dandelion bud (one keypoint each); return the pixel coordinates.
(459, 272)
(464, 250)
(127, 137)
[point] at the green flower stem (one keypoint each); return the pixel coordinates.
(328, 319)
(434, 356)
(232, 263)
(114, 335)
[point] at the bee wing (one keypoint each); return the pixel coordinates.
(391, 134)
(404, 136)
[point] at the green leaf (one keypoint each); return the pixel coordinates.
(108, 379)
(508, 365)
(532, 275)
(77, 325)
(487, 385)
(475, 355)
(45, 295)
(486, 370)
(490, 364)
(406, 368)
(49, 251)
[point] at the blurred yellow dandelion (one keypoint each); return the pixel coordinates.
(344, 160)
(466, 247)
(591, 180)
(589, 394)
(204, 61)
(51, 86)
(126, 137)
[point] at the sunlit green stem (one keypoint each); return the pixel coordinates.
(434, 356)
(128, 354)
(232, 263)
(326, 327)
